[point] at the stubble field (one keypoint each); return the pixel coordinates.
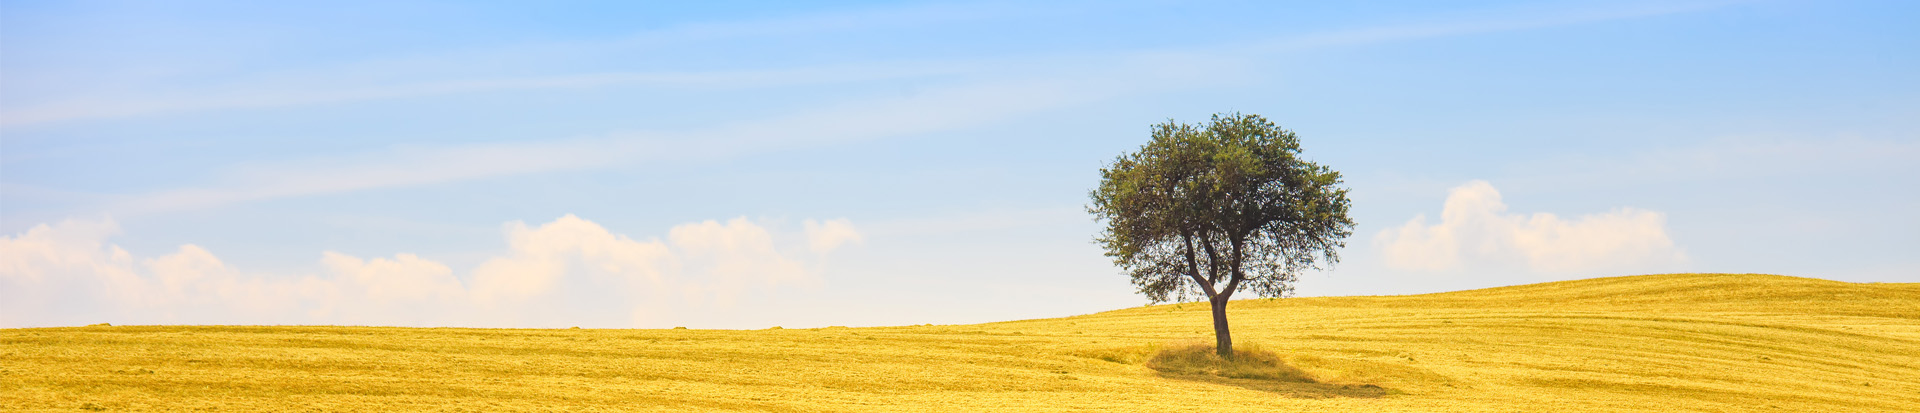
(1679, 342)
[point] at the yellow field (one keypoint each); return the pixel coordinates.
(1689, 342)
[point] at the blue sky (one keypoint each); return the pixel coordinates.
(744, 165)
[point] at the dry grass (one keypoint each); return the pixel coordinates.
(1686, 342)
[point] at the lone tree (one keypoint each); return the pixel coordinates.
(1205, 210)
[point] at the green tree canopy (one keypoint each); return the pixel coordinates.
(1207, 210)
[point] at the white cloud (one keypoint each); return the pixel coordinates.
(32, 265)
(825, 236)
(50, 271)
(406, 277)
(539, 257)
(733, 255)
(1476, 232)
(66, 272)
(73, 245)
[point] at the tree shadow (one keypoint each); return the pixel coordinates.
(1289, 389)
(1252, 369)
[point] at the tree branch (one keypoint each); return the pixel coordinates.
(1193, 267)
(1213, 268)
(1237, 272)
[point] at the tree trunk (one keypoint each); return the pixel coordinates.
(1223, 340)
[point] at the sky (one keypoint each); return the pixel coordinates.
(749, 164)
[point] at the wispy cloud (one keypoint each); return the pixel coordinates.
(330, 86)
(931, 110)
(279, 94)
(427, 75)
(1492, 21)
(396, 168)
(1748, 157)
(990, 91)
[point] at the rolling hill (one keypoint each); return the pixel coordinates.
(1676, 342)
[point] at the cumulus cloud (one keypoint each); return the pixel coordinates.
(558, 273)
(406, 277)
(1476, 231)
(733, 255)
(824, 236)
(76, 245)
(540, 257)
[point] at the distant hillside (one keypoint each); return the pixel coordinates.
(1677, 342)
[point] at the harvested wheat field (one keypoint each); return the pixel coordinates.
(1681, 342)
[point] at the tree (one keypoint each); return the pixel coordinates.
(1206, 210)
